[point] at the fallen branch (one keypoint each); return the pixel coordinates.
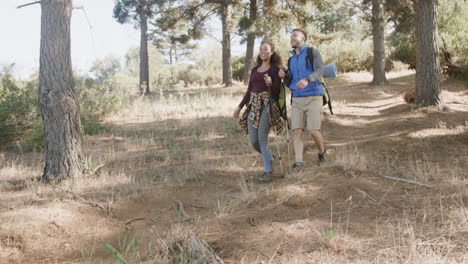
(200, 250)
(89, 202)
(33, 3)
(134, 219)
(197, 206)
(407, 181)
(364, 194)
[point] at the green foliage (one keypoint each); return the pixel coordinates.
(405, 52)
(229, 126)
(181, 256)
(97, 101)
(328, 234)
(174, 36)
(155, 61)
(238, 63)
(127, 11)
(88, 165)
(453, 28)
(91, 125)
(210, 65)
(207, 71)
(35, 140)
(126, 251)
(17, 104)
(106, 68)
(347, 55)
(175, 152)
(190, 75)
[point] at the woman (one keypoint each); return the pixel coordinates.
(258, 116)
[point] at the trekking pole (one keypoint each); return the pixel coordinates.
(272, 115)
(288, 139)
(279, 154)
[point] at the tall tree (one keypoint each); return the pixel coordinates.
(427, 53)
(137, 12)
(174, 31)
(249, 25)
(58, 103)
(197, 12)
(226, 21)
(378, 35)
(373, 12)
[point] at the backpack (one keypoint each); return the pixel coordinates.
(326, 94)
(281, 98)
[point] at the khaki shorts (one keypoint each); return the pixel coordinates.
(306, 111)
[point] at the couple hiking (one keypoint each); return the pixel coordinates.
(262, 113)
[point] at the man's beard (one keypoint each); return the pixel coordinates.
(294, 45)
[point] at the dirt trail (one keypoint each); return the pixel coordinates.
(345, 211)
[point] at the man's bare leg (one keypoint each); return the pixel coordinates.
(298, 134)
(318, 139)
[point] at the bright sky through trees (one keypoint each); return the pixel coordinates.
(20, 31)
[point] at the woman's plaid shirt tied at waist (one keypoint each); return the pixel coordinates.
(253, 111)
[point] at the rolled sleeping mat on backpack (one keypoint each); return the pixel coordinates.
(330, 71)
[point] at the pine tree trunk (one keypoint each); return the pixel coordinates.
(250, 41)
(226, 19)
(427, 53)
(378, 34)
(58, 103)
(170, 55)
(144, 68)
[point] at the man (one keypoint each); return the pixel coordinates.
(307, 92)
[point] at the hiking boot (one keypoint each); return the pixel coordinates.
(322, 157)
(265, 178)
(297, 168)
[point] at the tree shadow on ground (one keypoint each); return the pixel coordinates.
(209, 163)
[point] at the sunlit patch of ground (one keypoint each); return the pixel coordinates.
(183, 147)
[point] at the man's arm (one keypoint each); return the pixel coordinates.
(318, 67)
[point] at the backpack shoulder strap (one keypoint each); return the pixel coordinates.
(272, 71)
(310, 56)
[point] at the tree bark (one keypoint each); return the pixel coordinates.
(251, 34)
(170, 55)
(58, 103)
(427, 53)
(378, 34)
(144, 68)
(226, 19)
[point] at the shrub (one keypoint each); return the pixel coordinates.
(97, 101)
(405, 53)
(17, 104)
(35, 140)
(347, 55)
(238, 64)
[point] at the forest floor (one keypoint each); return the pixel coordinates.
(183, 147)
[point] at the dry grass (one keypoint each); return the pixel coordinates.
(183, 145)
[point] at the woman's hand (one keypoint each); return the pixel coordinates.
(267, 79)
(282, 72)
(236, 113)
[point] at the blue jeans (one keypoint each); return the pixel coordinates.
(259, 138)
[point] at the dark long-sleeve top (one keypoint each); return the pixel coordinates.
(257, 85)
